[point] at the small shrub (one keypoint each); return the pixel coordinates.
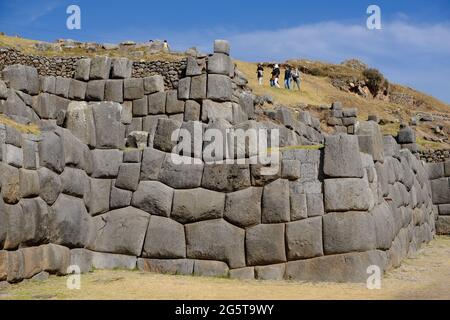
(374, 79)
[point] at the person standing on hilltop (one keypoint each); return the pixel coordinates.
(166, 46)
(260, 74)
(296, 77)
(287, 78)
(275, 76)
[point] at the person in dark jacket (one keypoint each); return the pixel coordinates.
(260, 74)
(275, 76)
(287, 78)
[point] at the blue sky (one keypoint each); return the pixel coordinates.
(413, 47)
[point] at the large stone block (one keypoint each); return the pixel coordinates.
(74, 182)
(119, 231)
(198, 87)
(119, 198)
(443, 225)
(304, 239)
(216, 240)
(15, 226)
(440, 189)
(140, 107)
(276, 202)
(406, 135)
(264, 244)
(128, 177)
(314, 203)
(299, 209)
(435, 170)
(133, 88)
(246, 273)
(213, 111)
(157, 103)
(10, 183)
(210, 268)
(77, 90)
(76, 153)
(197, 204)
(95, 90)
(108, 128)
(152, 160)
(15, 266)
(349, 194)
(350, 267)
(97, 196)
(219, 87)
(69, 222)
(221, 46)
(153, 197)
(49, 185)
(36, 221)
(80, 121)
(219, 63)
(274, 272)
(242, 212)
(173, 105)
(13, 155)
(342, 158)
(29, 183)
(348, 231)
(192, 111)
(167, 266)
(82, 69)
(55, 259)
(165, 239)
(166, 134)
(51, 152)
(121, 68)
(105, 163)
(192, 67)
(370, 139)
(226, 177)
(153, 84)
(22, 78)
(100, 68)
(114, 90)
(181, 172)
(184, 88)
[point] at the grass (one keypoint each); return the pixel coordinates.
(23, 128)
(425, 276)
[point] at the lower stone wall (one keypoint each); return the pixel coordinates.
(439, 174)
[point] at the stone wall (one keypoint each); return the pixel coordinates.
(101, 186)
(66, 66)
(439, 174)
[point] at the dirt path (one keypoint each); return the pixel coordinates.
(425, 277)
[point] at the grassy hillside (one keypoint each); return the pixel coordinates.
(317, 90)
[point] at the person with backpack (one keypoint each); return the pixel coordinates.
(260, 74)
(275, 76)
(287, 78)
(296, 77)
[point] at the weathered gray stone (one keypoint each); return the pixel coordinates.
(77, 90)
(166, 135)
(443, 225)
(47, 84)
(62, 86)
(35, 221)
(119, 231)
(105, 163)
(13, 155)
(132, 156)
(127, 112)
(181, 172)
(242, 212)
(119, 198)
(157, 103)
(80, 121)
(210, 268)
(29, 183)
(140, 107)
(348, 231)
(114, 90)
(49, 185)
(221, 46)
(121, 68)
(22, 78)
(133, 88)
(213, 111)
(97, 196)
(15, 226)
(74, 182)
(69, 222)
(128, 177)
(184, 88)
(314, 203)
(192, 67)
(246, 101)
(153, 84)
(247, 273)
(173, 105)
(168, 266)
(153, 197)
(370, 139)
(290, 169)
(51, 152)
(342, 158)
(219, 87)
(100, 68)
(165, 239)
(447, 168)
(219, 63)
(152, 160)
(304, 239)
(198, 87)
(444, 209)
(15, 266)
(108, 128)
(192, 111)
(197, 204)
(216, 240)
(264, 244)
(82, 69)
(275, 202)
(347, 195)
(55, 259)
(435, 170)
(226, 177)
(350, 267)
(272, 272)
(406, 135)
(440, 189)
(299, 209)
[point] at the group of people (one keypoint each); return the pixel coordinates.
(291, 75)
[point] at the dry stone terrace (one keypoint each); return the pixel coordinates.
(98, 187)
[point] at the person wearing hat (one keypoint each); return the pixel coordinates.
(275, 76)
(260, 73)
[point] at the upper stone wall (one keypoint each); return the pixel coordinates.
(66, 66)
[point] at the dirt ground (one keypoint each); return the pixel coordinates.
(426, 276)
